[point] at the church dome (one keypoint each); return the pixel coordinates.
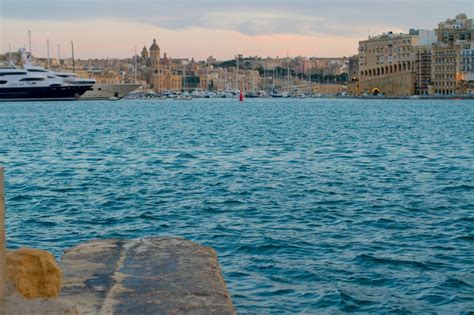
(154, 46)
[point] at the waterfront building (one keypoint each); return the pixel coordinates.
(353, 68)
(386, 62)
(204, 82)
(467, 68)
(422, 68)
(446, 66)
(452, 68)
(353, 75)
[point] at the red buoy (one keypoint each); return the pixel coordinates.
(241, 97)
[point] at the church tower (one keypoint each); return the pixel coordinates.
(155, 55)
(155, 64)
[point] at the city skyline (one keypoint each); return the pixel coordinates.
(187, 29)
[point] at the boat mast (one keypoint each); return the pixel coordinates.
(47, 44)
(288, 70)
(253, 78)
(278, 75)
(184, 76)
(273, 79)
(73, 65)
(237, 72)
(29, 44)
(225, 79)
(135, 66)
(59, 57)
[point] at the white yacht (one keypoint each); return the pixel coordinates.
(21, 84)
(99, 91)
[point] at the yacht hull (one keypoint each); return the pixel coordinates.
(48, 93)
(109, 91)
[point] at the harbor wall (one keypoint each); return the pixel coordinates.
(402, 84)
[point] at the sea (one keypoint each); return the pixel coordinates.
(312, 205)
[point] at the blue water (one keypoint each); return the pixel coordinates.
(312, 205)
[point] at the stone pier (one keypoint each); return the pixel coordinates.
(144, 276)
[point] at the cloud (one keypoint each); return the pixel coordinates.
(250, 17)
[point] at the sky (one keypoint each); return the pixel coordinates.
(200, 28)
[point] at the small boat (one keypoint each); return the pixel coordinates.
(183, 98)
(276, 94)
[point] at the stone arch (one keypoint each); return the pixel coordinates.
(378, 71)
(408, 65)
(370, 72)
(404, 66)
(386, 69)
(362, 74)
(382, 71)
(399, 67)
(391, 69)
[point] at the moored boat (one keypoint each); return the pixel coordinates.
(21, 85)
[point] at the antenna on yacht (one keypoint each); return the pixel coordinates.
(47, 44)
(73, 65)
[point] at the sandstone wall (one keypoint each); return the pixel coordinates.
(393, 85)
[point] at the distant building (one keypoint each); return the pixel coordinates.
(211, 60)
(467, 68)
(422, 68)
(453, 67)
(446, 66)
(458, 29)
(386, 62)
(353, 72)
(144, 54)
(165, 76)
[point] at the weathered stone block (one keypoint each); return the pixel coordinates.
(144, 276)
(34, 273)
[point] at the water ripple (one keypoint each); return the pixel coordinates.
(314, 206)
